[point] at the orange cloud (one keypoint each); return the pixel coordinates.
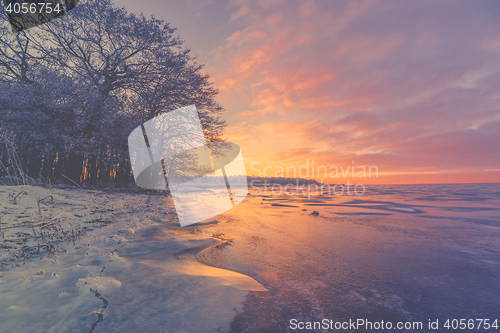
(351, 84)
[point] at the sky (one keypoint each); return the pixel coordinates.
(411, 88)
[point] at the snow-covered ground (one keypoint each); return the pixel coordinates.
(76, 261)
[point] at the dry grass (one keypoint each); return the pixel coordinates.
(37, 223)
(12, 169)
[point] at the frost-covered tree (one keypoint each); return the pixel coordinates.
(99, 72)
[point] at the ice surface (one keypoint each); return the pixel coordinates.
(398, 253)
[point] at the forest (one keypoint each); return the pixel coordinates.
(73, 89)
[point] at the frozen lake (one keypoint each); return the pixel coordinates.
(397, 253)
(409, 253)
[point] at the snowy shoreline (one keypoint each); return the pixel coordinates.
(403, 252)
(109, 262)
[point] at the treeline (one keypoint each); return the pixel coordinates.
(72, 91)
(280, 181)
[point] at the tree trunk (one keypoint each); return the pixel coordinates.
(74, 168)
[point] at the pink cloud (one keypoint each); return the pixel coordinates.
(385, 83)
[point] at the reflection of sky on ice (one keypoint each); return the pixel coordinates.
(479, 203)
(398, 252)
